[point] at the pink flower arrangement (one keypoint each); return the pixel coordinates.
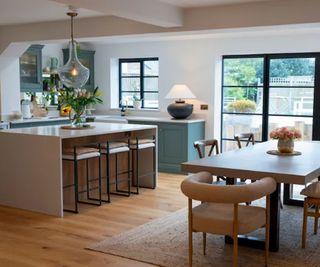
(285, 133)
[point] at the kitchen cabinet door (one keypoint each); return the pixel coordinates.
(31, 69)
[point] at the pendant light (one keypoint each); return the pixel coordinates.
(73, 74)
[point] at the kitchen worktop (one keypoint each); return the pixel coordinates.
(39, 119)
(111, 118)
(31, 161)
(96, 128)
(144, 118)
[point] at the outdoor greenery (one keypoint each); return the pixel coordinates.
(244, 72)
(243, 105)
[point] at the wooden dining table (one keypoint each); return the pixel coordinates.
(253, 162)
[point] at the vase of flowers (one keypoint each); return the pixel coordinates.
(78, 99)
(285, 136)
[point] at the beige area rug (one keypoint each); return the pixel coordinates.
(164, 242)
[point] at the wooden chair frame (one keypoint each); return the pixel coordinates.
(310, 202)
(235, 233)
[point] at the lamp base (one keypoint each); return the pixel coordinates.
(180, 110)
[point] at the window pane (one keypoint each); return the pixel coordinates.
(151, 100)
(235, 124)
(291, 101)
(228, 145)
(151, 67)
(243, 71)
(130, 84)
(127, 99)
(130, 69)
(242, 99)
(292, 72)
(301, 123)
(150, 84)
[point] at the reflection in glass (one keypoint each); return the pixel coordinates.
(130, 69)
(151, 84)
(130, 84)
(151, 68)
(151, 100)
(28, 68)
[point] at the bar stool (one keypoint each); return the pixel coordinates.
(116, 147)
(137, 145)
(80, 153)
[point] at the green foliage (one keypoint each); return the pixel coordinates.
(292, 67)
(243, 105)
(78, 99)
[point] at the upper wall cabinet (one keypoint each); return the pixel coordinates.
(86, 58)
(31, 69)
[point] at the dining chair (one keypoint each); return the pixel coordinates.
(248, 138)
(213, 149)
(244, 137)
(311, 208)
(220, 213)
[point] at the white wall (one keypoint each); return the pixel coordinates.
(197, 63)
(10, 89)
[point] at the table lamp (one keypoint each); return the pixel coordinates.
(180, 109)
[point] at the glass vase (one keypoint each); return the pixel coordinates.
(285, 145)
(76, 119)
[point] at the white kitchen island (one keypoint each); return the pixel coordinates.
(31, 163)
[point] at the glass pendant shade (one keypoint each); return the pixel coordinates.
(73, 74)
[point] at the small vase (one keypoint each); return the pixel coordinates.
(285, 145)
(76, 119)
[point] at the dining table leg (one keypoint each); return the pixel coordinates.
(275, 219)
(247, 241)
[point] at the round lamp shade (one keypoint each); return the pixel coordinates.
(180, 110)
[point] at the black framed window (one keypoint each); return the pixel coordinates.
(139, 79)
(265, 91)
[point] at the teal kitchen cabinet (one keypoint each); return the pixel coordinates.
(31, 69)
(175, 142)
(86, 57)
(33, 123)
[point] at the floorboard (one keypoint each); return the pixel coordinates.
(33, 239)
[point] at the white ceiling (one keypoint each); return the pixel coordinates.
(28, 11)
(198, 3)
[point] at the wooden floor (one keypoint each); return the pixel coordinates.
(33, 239)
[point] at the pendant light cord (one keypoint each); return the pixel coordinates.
(72, 14)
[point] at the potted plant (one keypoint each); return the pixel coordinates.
(136, 101)
(242, 106)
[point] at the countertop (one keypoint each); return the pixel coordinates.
(154, 119)
(112, 118)
(98, 128)
(39, 119)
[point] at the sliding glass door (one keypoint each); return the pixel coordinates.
(291, 93)
(263, 92)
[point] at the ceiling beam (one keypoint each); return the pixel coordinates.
(152, 12)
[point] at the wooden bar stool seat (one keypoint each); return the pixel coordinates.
(76, 154)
